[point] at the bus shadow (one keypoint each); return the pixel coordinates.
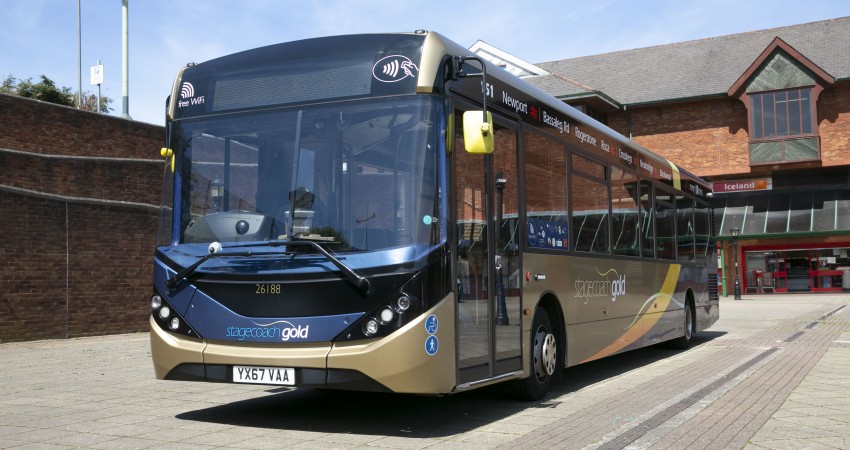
(584, 375)
(369, 413)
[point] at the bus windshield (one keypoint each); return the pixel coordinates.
(355, 176)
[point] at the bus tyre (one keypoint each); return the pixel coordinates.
(684, 342)
(544, 358)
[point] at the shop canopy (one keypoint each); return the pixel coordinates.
(783, 212)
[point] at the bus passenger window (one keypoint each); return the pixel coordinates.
(625, 221)
(546, 192)
(685, 228)
(702, 222)
(590, 206)
(647, 219)
(665, 232)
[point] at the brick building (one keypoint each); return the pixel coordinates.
(79, 210)
(764, 115)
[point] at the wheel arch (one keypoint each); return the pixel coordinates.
(690, 301)
(690, 296)
(684, 342)
(549, 302)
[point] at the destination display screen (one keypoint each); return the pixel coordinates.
(301, 72)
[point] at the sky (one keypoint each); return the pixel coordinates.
(39, 37)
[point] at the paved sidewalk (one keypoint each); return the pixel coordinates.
(773, 373)
(752, 392)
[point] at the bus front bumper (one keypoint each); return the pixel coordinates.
(396, 363)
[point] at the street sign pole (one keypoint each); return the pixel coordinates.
(97, 79)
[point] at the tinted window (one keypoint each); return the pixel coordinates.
(590, 206)
(625, 215)
(546, 191)
(665, 230)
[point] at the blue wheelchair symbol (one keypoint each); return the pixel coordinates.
(431, 324)
(431, 345)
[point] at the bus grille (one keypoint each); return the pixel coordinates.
(712, 287)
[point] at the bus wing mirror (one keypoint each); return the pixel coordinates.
(167, 153)
(477, 134)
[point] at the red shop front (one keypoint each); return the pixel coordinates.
(817, 267)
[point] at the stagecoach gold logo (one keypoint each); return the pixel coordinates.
(270, 331)
(609, 284)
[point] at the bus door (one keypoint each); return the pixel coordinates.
(487, 257)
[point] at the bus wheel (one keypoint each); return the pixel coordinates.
(544, 358)
(684, 342)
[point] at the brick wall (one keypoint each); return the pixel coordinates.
(834, 123)
(40, 127)
(78, 213)
(710, 137)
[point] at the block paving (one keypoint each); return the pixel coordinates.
(771, 374)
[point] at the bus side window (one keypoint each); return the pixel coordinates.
(665, 226)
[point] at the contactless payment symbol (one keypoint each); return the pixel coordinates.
(394, 68)
(431, 324)
(431, 345)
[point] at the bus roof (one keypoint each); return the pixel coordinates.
(311, 70)
(533, 105)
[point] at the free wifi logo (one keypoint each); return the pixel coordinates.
(187, 96)
(187, 90)
(393, 68)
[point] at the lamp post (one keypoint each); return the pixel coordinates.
(216, 192)
(735, 232)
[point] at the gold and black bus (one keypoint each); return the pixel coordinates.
(389, 212)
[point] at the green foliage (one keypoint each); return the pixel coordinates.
(8, 86)
(90, 102)
(47, 91)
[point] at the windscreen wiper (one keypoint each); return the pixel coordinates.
(355, 278)
(189, 269)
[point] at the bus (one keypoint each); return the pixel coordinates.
(390, 212)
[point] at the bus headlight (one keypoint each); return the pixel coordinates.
(168, 318)
(387, 315)
(398, 308)
(156, 301)
(370, 327)
(403, 303)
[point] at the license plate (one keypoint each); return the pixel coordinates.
(264, 375)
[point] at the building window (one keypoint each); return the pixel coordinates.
(783, 127)
(781, 113)
(780, 90)
(594, 113)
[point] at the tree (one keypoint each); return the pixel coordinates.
(8, 86)
(47, 91)
(90, 102)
